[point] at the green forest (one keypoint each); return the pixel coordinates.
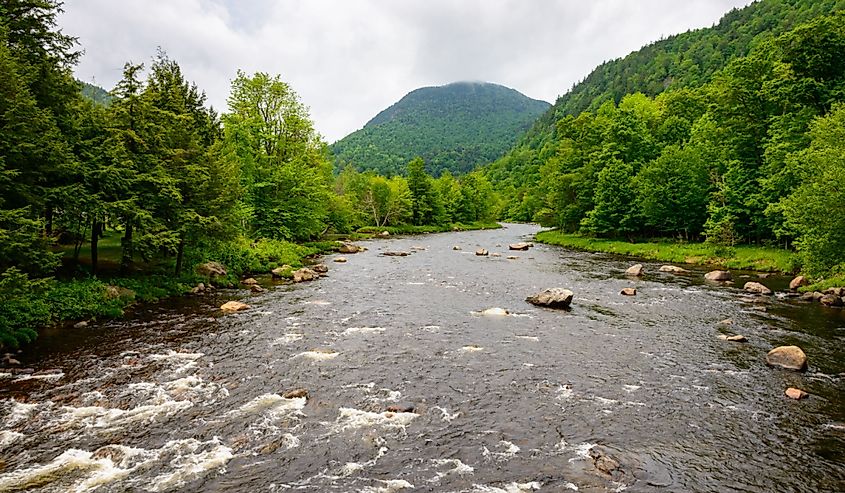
(742, 148)
(454, 128)
(729, 137)
(108, 199)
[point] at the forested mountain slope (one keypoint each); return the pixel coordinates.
(453, 127)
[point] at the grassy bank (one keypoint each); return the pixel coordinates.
(418, 230)
(738, 257)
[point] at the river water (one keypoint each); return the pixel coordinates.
(179, 397)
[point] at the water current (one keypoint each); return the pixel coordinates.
(617, 394)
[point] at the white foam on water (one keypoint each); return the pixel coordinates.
(171, 355)
(835, 426)
(416, 284)
(273, 403)
(446, 415)
(362, 330)
(192, 463)
(8, 437)
(564, 393)
(106, 471)
(431, 328)
(524, 315)
(70, 460)
(351, 418)
(582, 451)
(20, 411)
(6, 375)
(196, 386)
(103, 417)
(317, 355)
(47, 377)
(509, 451)
(318, 302)
(351, 468)
(458, 468)
(631, 388)
(508, 488)
(529, 338)
(471, 349)
(287, 339)
(390, 486)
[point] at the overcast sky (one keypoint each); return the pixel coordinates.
(349, 59)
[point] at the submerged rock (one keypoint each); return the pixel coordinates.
(233, 306)
(629, 292)
(635, 270)
(789, 357)
(798, 282)
(831, 300)
(396, 254)
(796, 394)
(482, 252)
(756, 287)
(718, 275)
(673, 269)
(519, 246)
(552, 298)
(495, 312)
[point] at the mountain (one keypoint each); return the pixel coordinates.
(95, 93)
(453, 127)
(686, 60)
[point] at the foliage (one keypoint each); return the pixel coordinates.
(453, 128)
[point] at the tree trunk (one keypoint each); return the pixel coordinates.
(126, 250)
(95, 237)
(180, 254)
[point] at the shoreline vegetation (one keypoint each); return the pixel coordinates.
(739, 257)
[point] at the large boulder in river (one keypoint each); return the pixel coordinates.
(798, 282)
(789, 357)
(304, 274)
(482, 252)
(233, 306)
(519, 246)
(756, 287)
(552, 298)
(349, 248)
(673, 269)
(831, 300)
(211, 269)
(718, 275)
(634, 270)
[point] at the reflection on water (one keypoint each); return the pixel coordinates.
(635, 393)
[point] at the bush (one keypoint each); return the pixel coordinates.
(23, 307)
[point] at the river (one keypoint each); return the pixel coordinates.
(178, 397)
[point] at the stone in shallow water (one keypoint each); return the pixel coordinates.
(629, 292)
(233, 306)
(798, 282)
(295, 393)
(789, 357)
(796, 394)
(519, 246)
(495, 312)
(672, 268)
(756, 287)
(482, 252)
(718, 275)
(635, 270)
(552, 298)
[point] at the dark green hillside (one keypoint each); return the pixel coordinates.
(95, 93)
(453, 127)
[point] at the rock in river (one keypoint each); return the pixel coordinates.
(295, 393)
(519, 246)
(340, 260)
(798, 282)
(320, 268)
(634, 270)
(552, 298)
(789, 357)
(249, 282)
(281, 271)
(304, 274)
(796, 394)
(482, 252)
(233, 306)
(396, 254)
(456, 248)
(495, 312)
(718, 275)
(629, 292)
(349, 248)
(831, 300)
(756, 287)
(673, 269)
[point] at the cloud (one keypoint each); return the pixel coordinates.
(349, 59)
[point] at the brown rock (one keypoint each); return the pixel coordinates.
(349, 248)
(404, 407)
(756, 287)
(304, 274)
(673, 269)
(552, 298)
(840, 292)
(727, 321)
(396, 254)
(798, 282)
(295, 393)
(255, 288)
(789, 357)
(80, 325)
(320, 268)
(629, 292)
(831, 300)
(635, 270)
(512, 257)
(211, 269)
(519, 246)
(233, 306)
(736, 338)
(482, 252)
(249, 282)
(340, 260)
(718, 275)
(796, 394)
